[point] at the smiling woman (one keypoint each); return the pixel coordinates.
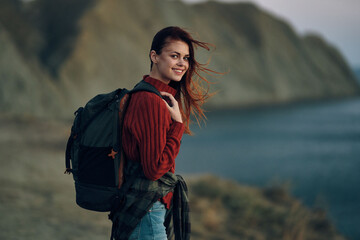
(172, 63)
(152, 131)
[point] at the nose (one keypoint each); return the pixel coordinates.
(181, 62)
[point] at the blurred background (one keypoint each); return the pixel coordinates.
(279, 155)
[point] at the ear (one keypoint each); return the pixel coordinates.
(153, 56)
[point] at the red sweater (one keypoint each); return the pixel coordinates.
(150, 135)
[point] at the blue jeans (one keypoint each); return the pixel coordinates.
(151, 226)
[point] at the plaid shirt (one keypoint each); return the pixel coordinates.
(140, 194)
(178, 214)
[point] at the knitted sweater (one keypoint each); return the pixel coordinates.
(150, 135)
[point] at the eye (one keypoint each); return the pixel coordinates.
(174, 56)
(187, 58)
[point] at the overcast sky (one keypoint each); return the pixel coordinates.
(338, 21)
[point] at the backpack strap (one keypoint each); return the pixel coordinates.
(120, 158)
(145, 86)
(70, 141)
(69, 144)
(141, 86)
(123, 104)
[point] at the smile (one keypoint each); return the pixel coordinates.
(179, 71)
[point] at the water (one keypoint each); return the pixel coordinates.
(315, 147)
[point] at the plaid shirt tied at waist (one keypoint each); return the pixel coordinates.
(139, 197)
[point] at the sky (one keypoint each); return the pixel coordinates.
(338, 21)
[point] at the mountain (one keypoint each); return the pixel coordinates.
(64, 52)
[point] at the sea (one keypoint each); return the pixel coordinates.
(312, 147)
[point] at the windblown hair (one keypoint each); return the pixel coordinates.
(191, 93)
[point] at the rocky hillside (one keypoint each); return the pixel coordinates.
(25, 84)
(55, 55)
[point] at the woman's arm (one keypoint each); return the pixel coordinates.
(158, 136)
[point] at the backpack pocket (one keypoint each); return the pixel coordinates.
(96, 166)
(96, 198)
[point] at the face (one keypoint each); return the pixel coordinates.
(172, 63)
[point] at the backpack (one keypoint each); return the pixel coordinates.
(94, 149)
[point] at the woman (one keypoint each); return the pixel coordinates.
(153, 127)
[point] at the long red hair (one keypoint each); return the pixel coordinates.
(191, 92)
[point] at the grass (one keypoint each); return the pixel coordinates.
(227, 210)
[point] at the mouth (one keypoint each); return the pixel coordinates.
(178, 71)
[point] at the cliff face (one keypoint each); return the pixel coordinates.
(76, 50)
(24, 87)
(269, 62)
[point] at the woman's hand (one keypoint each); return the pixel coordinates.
(174, 108)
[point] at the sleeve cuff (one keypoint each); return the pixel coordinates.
(176, 130)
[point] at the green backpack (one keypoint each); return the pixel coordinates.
(94, 150)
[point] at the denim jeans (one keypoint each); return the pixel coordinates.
(151, 226)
